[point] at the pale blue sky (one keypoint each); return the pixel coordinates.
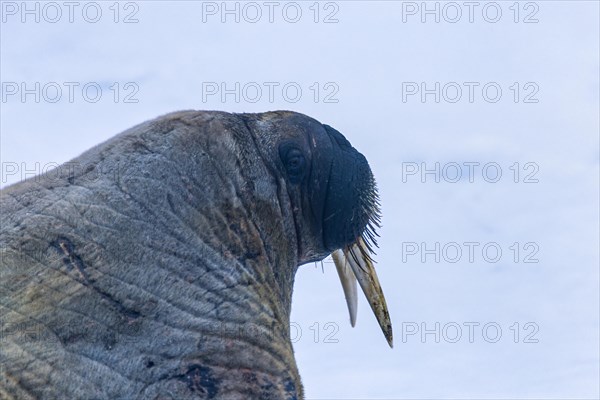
(367, 61)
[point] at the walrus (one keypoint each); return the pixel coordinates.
(160, 263)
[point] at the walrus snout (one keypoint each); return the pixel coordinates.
(351, 205)
(351, 214)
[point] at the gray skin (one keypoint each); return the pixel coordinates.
(160, 264)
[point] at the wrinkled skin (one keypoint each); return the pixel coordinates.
(160, 264)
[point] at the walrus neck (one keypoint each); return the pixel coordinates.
(253, 259)
(251, 316)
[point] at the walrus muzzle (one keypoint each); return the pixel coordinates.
(350, 215)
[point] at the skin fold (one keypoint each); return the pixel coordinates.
(160, 264)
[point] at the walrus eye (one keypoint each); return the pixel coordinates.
(294, 165)
(294, 162)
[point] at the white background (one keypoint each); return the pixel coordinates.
(371, 54)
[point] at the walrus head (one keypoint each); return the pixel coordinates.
(334, 200)
(171, 256)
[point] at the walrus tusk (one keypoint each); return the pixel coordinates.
(357, 256)
(348, 283)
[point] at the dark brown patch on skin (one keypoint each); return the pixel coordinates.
(71, 259)
(200, 381)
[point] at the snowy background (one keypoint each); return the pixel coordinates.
(505, 87)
